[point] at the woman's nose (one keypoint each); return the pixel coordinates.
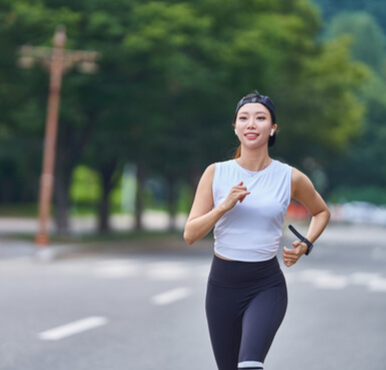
(251, 123)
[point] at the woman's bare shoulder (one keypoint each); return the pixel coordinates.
(208, 174)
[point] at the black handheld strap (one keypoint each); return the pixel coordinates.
(302, 239)
(300, 236)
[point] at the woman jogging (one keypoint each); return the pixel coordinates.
(246, 199)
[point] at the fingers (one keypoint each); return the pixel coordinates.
(291, 256)
(240, 191)
(239, 187)
(287, 261)
(296, 243)
(300, 247)
(288, 257)
(243, 196)
(243, 188)
(237, 193)
(291, 252)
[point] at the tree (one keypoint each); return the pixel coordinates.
(331, 8)
(368, 41)
(359, 168)
(23, 93)
(170, 75)
(362, 165)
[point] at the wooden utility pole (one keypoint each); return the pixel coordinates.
(58, 60)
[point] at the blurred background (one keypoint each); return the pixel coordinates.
(147, 99)
(135, 135)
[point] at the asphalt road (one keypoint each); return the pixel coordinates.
(128, 309)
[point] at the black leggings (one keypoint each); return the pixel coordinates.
(245, 305)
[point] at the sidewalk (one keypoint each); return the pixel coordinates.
(152, 220)
(11, 248)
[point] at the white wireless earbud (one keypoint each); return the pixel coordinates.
(272, 132)
(235, 132)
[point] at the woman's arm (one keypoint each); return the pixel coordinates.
(304, 192)
(203, 216)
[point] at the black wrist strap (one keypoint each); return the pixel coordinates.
(302, 239)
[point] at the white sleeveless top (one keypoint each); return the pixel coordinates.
(251, 231)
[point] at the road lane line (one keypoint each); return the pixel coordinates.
(312, 274)
(363, 278)
(171, 296)
(331, 282)
(168, 271)
(378, 285)
(116, 269)
(75, 327)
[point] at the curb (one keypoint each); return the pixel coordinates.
(25, 250)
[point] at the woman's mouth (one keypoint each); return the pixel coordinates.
(250, 136)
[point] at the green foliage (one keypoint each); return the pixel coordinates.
(368, 40)
(330, 8)
(184, 199)
(170, 74)
(370, 194)
(360, 166)
(85, 186)
(326, 85)
(23, 94)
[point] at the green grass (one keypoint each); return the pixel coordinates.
(31, 210)
(19, 210)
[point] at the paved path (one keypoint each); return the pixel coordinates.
(134, 306)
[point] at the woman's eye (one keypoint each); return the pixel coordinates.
(242, 118)
(261, 118)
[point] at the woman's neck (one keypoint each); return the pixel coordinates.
(254, 160)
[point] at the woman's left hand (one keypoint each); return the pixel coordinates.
(291, 256)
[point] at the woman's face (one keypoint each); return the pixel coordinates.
(254, 125)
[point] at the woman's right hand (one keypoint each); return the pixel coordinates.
(237, 194)
(203, 216)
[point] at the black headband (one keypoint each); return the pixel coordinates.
(262, 99)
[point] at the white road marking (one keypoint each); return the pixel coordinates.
(171, 296)
(167, 271)
(325, 279)
(363, 278)
(115, 269)
(331, 282)
(75, 327)
(378, 285)
(311, 274)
